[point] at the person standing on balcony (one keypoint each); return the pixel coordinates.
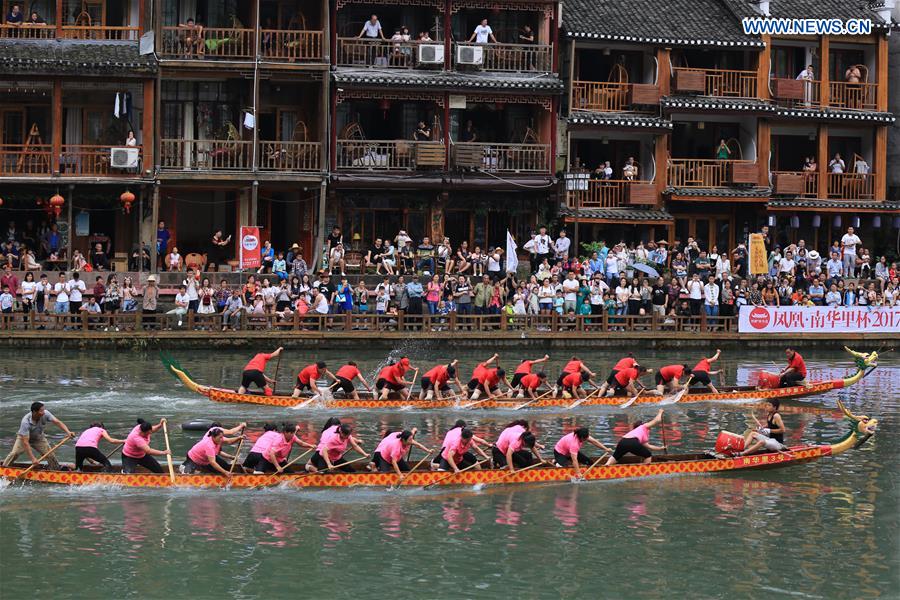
(630, 170)
(469, 135)
(422, 132)
(372, 29)
(15, 16)
(483, 33)
(723, 152)
(162, 240)
(193, 38)
(837, 164)
(848, 245)
(807, 75)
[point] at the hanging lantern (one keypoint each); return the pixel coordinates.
(772, 221)
(837, 221)
(126, 199)
(816, 221)
(795, 222)
(855, 222)
(1, 201)
(56, 204)
(385, 106)
(876, 220)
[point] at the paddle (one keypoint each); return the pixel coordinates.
(528, 468)
(532, 401)
(662, 431)
(594, 464)
(323, 471)
(46, 454)
(168, 452)
(238, 451)
(678, 396)
(411, 384)
(285, 467)
(633, 399)
(434, 483)
(275, 379)
(578, 402)
(418, 464)
(471, 404)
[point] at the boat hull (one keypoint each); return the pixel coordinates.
(797, 455)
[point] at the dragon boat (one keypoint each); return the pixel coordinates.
(861, 429)
(864, 364)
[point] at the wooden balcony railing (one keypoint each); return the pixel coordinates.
(803, 184)
(207, 42)
(292, 45)
(612, 193)
(851, 186)
(27, 32)
(289, 156)
(376, 53)
(504, 57)
(702, 172)
(859, 96)
(206, 155)
(91, 161)
(796, 92)
(16, 160)
(725, 83)
(612, 97)
(502, 158)
(75, 32)
(389, 155)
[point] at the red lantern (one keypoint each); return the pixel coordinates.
(56, 202)
(1, 201)
(126, 199)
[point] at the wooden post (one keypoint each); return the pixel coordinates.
(147, 129)
(880, 163)
(661, 157)
(824, 78)
(56, 138)
(154, 254)
(664, 70)
(763, 149)
(823, 161)
(881, 76)
(59, 18)
(763, 63)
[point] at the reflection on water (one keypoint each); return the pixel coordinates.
(826, 530)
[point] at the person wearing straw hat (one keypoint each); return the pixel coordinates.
(150, 298)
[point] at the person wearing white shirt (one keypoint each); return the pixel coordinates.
(570, 292)
(61, 290)
(612, 266)
(834, 268)
(562, 245)
(76, 288)
(483, 33)
(787, 265)
(190, 285)
(711, 296)
(837, 164)
(849, 243)
(542, 245)
(807, 75)
(723, 268)
(695, 294)
(181, 304)
(372, 29)
(833, 297)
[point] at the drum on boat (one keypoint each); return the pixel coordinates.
(729, 443)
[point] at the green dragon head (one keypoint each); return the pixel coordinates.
(863, 361)
(863, 427)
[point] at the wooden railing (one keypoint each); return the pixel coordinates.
(289, 156)
(700, 172)
(808, 186)
(16, 159)
(292, 45)
(859, 96)
(27, 32)
(90, 161)
(851, 186)
(599, 96)
(359, 324)
(796, 92)
(502, 158)
(726, 83)
(213, 42)
(206, 155)
(602, 193)
(76, 32)
(376, 53)
(507, 57)
(389, 155)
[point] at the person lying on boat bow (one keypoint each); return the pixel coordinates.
(456, 451)
(525, 368)
(768, 438)
(30, 436)
(795, 371)
(344, 380)
(626, 380)
(637, 441)
(626, 363)
(137, 451)
(254, 373)
(516, 448)
(389, 454)
(575, 365)
(703, 369)
(207, 456)
(87, 446)
(529, 384)
(567, 452)
(390, 379)
(667, 379)
(571, 384)
(332, 446)
(436, 382)
(308, 377)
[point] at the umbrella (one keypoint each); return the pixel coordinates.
(645, 269)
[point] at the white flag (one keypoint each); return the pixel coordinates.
(512, 260)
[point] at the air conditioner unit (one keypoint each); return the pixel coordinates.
(431, 54)
(469, 55)
(124, 158)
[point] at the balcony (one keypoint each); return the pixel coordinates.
(851, 186)
(502, 158)
(612, 97)
(797, 92)
(18, 160)
(722, 83)
(27, 32)
(290, 157)
(206, 155)
(363, 52)
(70, 32)
(710, 173)
(802, 184)
(75, 160)
(292, 46)
(504, 57)
(199, 43)
(858, 96)
(611, 193)
(389, 155)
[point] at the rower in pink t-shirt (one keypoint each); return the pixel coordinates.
(567, 452)
(137, 451)
(88, 443)
(637, 442)
(511, 438)
(516, 448)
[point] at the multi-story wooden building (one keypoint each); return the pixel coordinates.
(668, 84)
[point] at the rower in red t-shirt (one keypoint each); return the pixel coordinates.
(344, 380)
(572, 384)
(625, 380)
(530, 383)
(478, 372)
(703, 369)
(524, 368)
(308, 376)
(626, 363)
(795, 372)
(254, 372)
(575, 365)
(437, 381)
(668, 376)
(390, 379)
(488, 382)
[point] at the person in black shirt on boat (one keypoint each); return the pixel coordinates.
(768, 438)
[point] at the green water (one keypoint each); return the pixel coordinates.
(828, 529)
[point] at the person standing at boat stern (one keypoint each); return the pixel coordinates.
(137, 451)
(795, 371)
(567, 452)
(30, 436)
(254, 373)
(769, 438)
(637, 442)
(88, 443)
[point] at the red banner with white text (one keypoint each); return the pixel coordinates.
(250, 248)
(819, 319)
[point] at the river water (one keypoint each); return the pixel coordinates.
(828, 529)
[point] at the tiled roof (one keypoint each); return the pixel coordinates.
(661, 22)
(450, 80)
(835, 114)
(887, 206)
(637, 121)
(747, 105)
(728, 192)
(808, 9)
(618, 214)
(74, 57)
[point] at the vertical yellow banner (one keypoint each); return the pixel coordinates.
(759, 264)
